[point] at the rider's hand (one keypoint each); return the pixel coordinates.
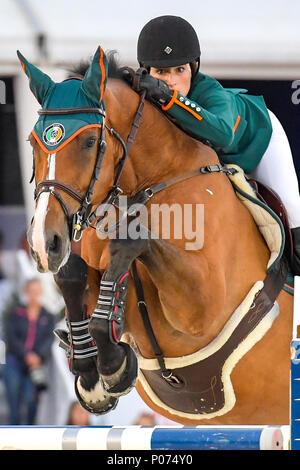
(157, 90)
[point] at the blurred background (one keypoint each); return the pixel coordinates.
(253, 45)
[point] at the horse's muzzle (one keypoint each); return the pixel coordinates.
(52, 250)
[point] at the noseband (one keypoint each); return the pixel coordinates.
(83, 217)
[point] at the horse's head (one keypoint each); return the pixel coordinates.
(68, 147)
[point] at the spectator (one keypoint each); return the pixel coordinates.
(28, 347)
(78, 416)
(6, 287)
(52, 299)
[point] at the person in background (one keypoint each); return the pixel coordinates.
(52, 299)
(146, 419)
(6, 287)
(28, 335)
(78, 416)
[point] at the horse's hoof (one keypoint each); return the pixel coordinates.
(128, 378)
(99, 408)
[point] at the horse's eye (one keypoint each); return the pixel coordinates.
(90, 142)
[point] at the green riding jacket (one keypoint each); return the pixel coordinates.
(236, 124)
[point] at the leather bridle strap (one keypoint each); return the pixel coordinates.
(113, 195)
(131, 137)
(52, 111)
(143, 196)
(48, 186)
(57, 184)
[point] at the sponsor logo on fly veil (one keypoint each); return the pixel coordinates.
(54, 134)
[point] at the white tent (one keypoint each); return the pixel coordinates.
(238, 37)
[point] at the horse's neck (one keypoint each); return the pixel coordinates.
(160, 150)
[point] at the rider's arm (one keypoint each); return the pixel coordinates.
(215, 119)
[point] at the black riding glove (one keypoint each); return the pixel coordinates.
(157, 91)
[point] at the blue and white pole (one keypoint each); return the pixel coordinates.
(141, 438)
(295, 371)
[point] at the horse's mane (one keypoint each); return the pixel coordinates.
(114, 69)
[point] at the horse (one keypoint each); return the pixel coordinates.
(190, 294)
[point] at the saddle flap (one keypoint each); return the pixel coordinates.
(272, 199)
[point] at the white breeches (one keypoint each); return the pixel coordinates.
(276, 169)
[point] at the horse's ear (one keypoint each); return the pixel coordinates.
(95, 78)
(39, 82)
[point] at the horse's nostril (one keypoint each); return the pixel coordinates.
(54, 244)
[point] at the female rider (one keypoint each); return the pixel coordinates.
(238, 126)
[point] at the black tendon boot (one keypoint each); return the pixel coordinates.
(296, 254)
(118, 364)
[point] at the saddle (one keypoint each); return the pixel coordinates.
(269, 197)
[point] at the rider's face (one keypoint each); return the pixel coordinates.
(178, 78)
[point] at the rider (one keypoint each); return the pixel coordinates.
(238, 126)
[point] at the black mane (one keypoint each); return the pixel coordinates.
(114, 69)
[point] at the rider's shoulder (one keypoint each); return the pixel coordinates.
(207, 85)
(204, 82)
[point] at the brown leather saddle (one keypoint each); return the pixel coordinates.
(271, 198)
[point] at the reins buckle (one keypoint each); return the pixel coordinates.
(231, 171)
(116, 191)
(149, 192)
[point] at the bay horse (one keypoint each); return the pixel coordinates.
(190, 294)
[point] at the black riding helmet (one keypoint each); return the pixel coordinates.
(168, 41)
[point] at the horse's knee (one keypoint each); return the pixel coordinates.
(127, 249)
(74, 271)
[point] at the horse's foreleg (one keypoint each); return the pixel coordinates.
(117, 362)
(79, 286)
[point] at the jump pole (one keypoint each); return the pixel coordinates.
(295, 370)
(142, 438)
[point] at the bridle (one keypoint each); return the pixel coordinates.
(83, 218)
